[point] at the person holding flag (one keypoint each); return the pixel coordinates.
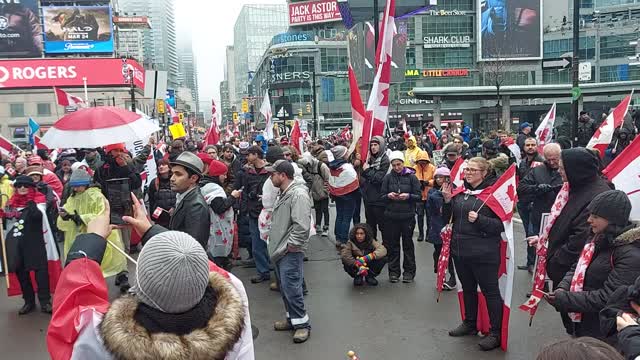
(475, 247)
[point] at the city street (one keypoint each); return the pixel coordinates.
(392, 321)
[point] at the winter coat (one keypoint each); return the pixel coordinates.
(614, 263)
(424, 174)
(351, 251)
(571, 230)
(526, 166)
(233, 167)
(191, 216)
(95, 163)
(25, 242)
(500, 164)
(542, 201)
(291, 222)
(85, 326)
(371, 179)
(161, 195)
(343, 180)
(404, 182)
(434, 204)
(88, 205)
(479, 240)
(110, 170)
(411, 155)
(629, 342)
(252, 181)
(6, 188)
(586, 129)
(320, 173)
(221, 222)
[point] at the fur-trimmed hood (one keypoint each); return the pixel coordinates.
(125, 338)
(631, 234)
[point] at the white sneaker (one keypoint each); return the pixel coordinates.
(325, 233)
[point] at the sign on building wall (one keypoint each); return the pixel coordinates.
(311, 12)
(77, 29)
(447, 41)
(20, 29)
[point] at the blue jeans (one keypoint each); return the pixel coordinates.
(259, 249)
(290, 276)
(345, 207)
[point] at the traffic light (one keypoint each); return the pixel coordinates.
(299, 112)
(181, 116)
(308, 108)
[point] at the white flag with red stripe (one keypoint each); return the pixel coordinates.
(624, 173)
(6, 146)
(357, 109)
(65, 99)
(457, 172)
(603, 136)
(265, 110)
(378, 104)
(173, 115)
(544, 132)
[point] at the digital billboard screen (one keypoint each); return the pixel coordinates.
(510, 29)
(77, 29)
(20, 29)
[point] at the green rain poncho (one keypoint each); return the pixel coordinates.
(88, 205)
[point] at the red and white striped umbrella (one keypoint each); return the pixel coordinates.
(98, 126)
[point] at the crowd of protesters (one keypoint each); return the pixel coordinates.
(258, 195)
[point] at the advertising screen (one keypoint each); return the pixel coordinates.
(311, 12)
(77, 29)
(20, 29)
(510, 29)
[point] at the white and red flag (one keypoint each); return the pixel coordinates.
(265, 110)
(65, 99)
(357, 109)
(173, 115)
(534, 300)
(227, 132)
(346, 133)
(236, 130)
(378, 104)
(212, 137)
(457, 172)
(624, 173)
(603, 136)
(6, 146)
(544, 132)
(38, 144)
(296, 136)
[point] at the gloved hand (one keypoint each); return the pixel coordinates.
(544, 188)
(363, 271)
(76, 218)
(360, 262)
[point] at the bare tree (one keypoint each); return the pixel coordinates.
(494, 73)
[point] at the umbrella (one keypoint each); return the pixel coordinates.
(98, 126)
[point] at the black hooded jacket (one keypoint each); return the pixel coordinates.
(371, 178)
(542, 197)
(571, 230)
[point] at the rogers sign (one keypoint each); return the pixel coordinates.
(16, 74)
(313, 12)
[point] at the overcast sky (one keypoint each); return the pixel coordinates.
(211, 23)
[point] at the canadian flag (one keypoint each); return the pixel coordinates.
(533, 301)
(173, 114)
(39, 145)
(265, 110)
(6, 146)
(357, 110)
(378, 105)
(212, 137)
(624, 173)
(236, 130)
(544, 132)
(66, 99)
(346, 133)
(603, 136)
(296, 136)
(457, 172)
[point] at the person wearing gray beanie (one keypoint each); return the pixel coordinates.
(181, 306)
(613, 205)
(339, 152)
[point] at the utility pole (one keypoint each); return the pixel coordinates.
(132, 88)
(316, 126)
(376, 20)
(575, 61)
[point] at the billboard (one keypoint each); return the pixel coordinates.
(510, 29)
(20, 29)
(16, 74)
(77, 29)
(311, 12)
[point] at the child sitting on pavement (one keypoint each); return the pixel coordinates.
(362, 256)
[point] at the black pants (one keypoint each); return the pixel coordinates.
(375, 268)
(42, 279)
(322, 208)
(375, 218)
(437, 249)
(222, 262)
(420, 214)
(394, 230)
(357, 196)
(472, 273)
(556, 273)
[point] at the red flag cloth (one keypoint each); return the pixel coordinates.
(443, 260)
(66, 99)
(457, 172)
(577, 282)
(38, 144)
(541, 265)
(544, 132)
(624, 173)
(6, 146)
(534, 300)
(357, 111)
(604, 135)
(212, 137)
(173, 115)
(296, 136)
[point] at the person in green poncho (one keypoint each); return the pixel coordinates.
(86, 203)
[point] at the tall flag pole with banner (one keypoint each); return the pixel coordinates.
(265, 110)
(624, 173)
(33, 131)
(65, 99)
(604, 135)
(378, 104)
(212, 137)
(544, 132)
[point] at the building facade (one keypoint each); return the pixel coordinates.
(230, 73)
(225, 103)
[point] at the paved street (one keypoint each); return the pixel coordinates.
(392, 321)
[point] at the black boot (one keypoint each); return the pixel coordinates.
(463, 329)
(27, 308)
(489, 342)
(122, 280)
(46, 308)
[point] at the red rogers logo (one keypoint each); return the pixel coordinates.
(54, 72)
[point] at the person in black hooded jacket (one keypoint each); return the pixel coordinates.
(371, 182)
(619, 320)
(475, 247)
(580, 168)
(615, 262)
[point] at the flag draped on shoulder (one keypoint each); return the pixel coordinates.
(378, 104)
(65, 99)
(544, 132)
(624, 173)
(212, 137)
(604, 135)
(265, 110)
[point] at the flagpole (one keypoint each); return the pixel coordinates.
(86, 93)
(55, 101)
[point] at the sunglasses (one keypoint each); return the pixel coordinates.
(22, 186)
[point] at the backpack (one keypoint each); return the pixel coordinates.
(317, 188)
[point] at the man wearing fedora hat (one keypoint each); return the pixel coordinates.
(191, 214)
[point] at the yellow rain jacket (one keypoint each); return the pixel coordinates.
(5, 189)
(410, 154)
(425, 173)
(88, 205)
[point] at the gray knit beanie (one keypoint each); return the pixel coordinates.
(613, 205)
(172, 273)
(339, 152)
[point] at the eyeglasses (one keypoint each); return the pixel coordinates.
(472, 170)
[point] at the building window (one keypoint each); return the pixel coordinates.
(447, 25)
(411, 28)
(557, 48)
(616, 46)
(622, 72)
(507, 78)
(448, 58)
(44, 109)
(19, 132)
(455, 5)
(16, 110)
(411, 57)
(334, 59)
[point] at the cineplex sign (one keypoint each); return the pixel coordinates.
(413, 73)
(16, 74)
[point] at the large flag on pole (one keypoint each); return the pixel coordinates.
(544, 132)
(457, 172)
(378, 104)
(265, 110)
(65, 99)
(33, 130)
(603, 136)
(357, 110)
(6, 146)
(624, 173)
(296, 136)
(212, 137)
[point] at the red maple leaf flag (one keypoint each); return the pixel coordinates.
(173, 115)
(212, 137)
(6, 146)
(65, 99)
(378, 104)
(357, 110)
(624, 173)
(457, 172)
(533, 301)
(544, 132)
(603, 136)
(501, 196)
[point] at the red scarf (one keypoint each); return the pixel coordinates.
(577, 282)
(18, 201)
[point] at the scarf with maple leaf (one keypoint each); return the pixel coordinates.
(577, 282)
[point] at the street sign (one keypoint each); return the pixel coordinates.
(245, 106)
(576, 93)
(584, 71)
(560, 63)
